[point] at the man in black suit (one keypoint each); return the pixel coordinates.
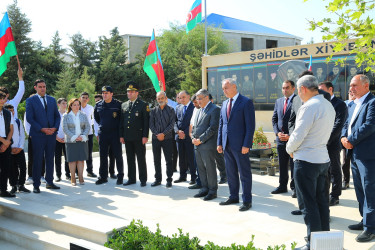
(280, 120)
(334, 145)
(184, 111)
(204, 135)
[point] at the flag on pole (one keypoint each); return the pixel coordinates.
(153, 65)
(7, 44)
(310, 64)
(194, 16)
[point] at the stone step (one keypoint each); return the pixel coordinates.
(8, 245)
(32, 237)
(69, 221)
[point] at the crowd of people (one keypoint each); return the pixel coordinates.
(312, 130)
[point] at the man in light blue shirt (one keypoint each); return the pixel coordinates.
(307, 145)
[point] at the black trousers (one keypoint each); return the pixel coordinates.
(133, 149)
(59, 151)
(107, 141)
(346, 165)
(30, 159)
(17, 173)
(284, 162)
(334, 172)
(167, 146)
(4, 169)
(175, 154)
(111, 161)
(89, 160)
(186, 158)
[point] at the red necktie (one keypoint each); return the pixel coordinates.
(229, 107)
(285, 105)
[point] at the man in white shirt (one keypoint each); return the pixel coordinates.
(89, 111)
(17, 173)
(307, 146)
(18, 97)
(6, 132)
(60, 143)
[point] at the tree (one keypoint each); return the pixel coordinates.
(352, 20)
(85, 83)
(83, 51)
(110, 68)
(65, 83)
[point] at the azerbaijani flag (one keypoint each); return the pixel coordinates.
(153, 65)
(195, 15)
(7, 44)
(310, 64)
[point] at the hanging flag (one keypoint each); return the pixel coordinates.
(310, 65)
(7, 44)
(195, 15)
(153, 65)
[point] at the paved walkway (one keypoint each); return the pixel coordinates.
(269, 219)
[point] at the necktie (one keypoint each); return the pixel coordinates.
(130, 105)
(229, 109)
(44, 102)
(185, 108)
(285, 105)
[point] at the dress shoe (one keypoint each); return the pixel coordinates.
(101, 181)
(229, 201)
(365, 236)
(169, 184)
(223, 181)
(91, 174)
(155, 183)
(200, 194)
(192, 182)
(82, 183)
(113, 176)
(210, 197)
(36, 190)
(279, 190)
(7, 194)
(67, 177)
(143, 184)
(296, 212)
(13, 190)
(180, 180)
(294, 195)
(58, 179)
(245, 206)
(23, 189)
(128, 183)
(196, 186)
(305, 247)
(119, 182)
(52, 186)
(358, 226)
(334, 201)
(345, 185)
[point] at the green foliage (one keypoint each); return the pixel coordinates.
(83, 51)
(259, 137)
(352, 19)
(66, 83)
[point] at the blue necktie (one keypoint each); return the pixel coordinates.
(185, 108)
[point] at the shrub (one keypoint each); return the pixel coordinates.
(137, 236)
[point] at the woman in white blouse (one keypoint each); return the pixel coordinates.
(76, 128)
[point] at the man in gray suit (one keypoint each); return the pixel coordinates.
(204, 137)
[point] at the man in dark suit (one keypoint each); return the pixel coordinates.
(358, 137)
(280, 120)
(44, 119)
(334, 145)
(134, 129)
(235, 136)
(204, 139)
(184, 111)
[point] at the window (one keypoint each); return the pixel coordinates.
(271, 44)
(247, 44)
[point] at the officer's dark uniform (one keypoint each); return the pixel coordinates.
(108, 115)
(134, 126)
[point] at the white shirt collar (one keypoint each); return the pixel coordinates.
(235, 97)
(187, 105)
(332, 96)
(72, 113)
(360, 100)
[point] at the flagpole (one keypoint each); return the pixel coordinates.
(18, 61)
(205, 28)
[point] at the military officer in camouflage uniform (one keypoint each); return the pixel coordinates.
(134, 129)
(107, 114)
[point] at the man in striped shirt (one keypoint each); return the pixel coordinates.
(162, 120)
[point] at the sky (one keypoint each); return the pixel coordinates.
(138, 17)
